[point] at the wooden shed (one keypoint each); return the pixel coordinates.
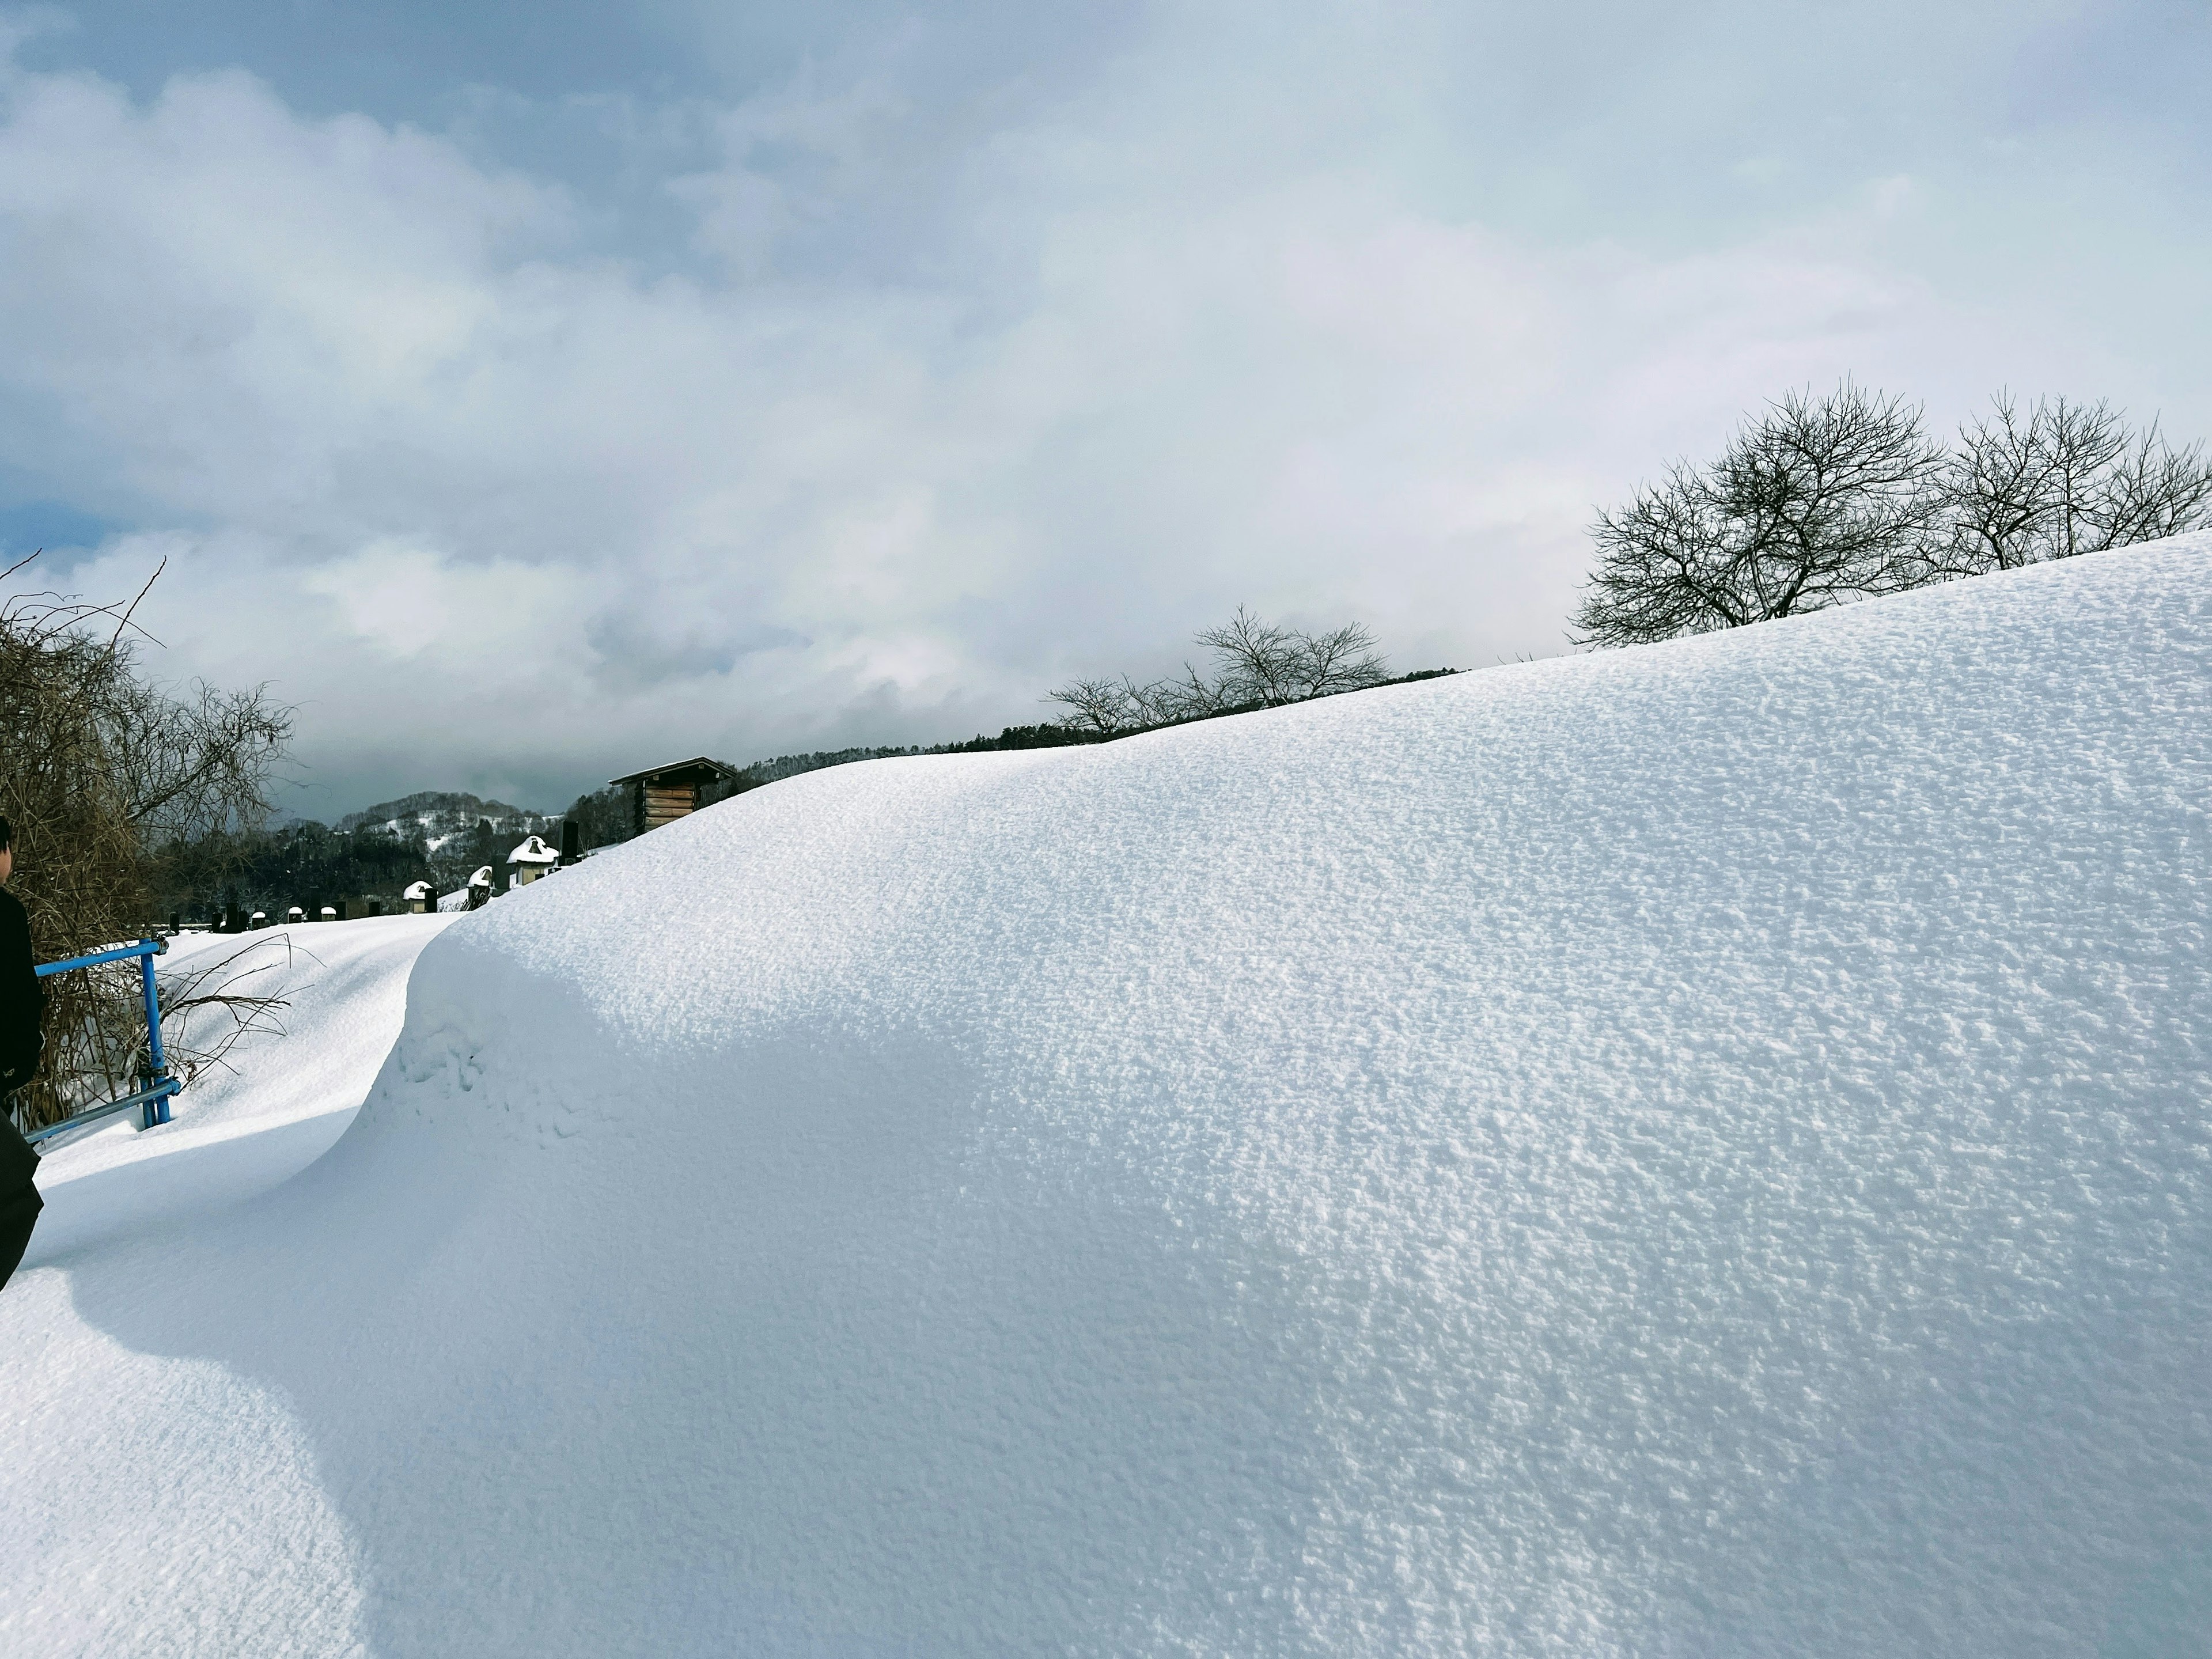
(662, 794)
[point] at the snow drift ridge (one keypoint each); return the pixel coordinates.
(1699, 1149)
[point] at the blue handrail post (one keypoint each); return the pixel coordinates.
(155, 1086)
(155, 1110)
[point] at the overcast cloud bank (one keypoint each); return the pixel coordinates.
(858, 385)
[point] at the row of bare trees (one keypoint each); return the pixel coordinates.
(100, 768)
(1256, 664)
(1822, 500)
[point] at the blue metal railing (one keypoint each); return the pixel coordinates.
(156, 1085)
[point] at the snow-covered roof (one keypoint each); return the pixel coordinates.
(698, 769)
(417, 890)
(534, 850)
(483, 876)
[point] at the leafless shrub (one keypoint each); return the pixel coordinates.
(1256, 663)
(102, 767)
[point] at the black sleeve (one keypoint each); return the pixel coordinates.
(22, 1002)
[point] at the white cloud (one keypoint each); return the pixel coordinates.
(1147, 348)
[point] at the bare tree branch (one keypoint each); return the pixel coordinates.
(1258, 664)
(1817, 502)
(100, 769)
(2060, 479)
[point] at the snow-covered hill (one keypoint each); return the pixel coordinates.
(1700, 1149)
(439, 815)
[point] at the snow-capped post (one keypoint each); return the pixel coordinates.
(531, 860)
(422, 898)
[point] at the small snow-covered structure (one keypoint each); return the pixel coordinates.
(479, 889)
(421, 897)
(662, 794)
(531, 860)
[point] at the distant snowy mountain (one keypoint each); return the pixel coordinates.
(438, 814)
(1703, 1149)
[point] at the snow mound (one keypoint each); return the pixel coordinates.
(282, 1097)
(1694, 1149)
(155, 1505)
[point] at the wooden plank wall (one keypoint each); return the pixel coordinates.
(665, 804)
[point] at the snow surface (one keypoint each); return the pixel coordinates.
(1700, 1150)
(278, 1102)
(152, 1505)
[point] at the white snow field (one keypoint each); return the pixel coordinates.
(1694, 1150)
(124, 1478)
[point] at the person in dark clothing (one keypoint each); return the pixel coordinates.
(22, 1039)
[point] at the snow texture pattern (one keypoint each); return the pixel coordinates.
(1701, 1150)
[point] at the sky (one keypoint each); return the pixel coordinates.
(530, 393)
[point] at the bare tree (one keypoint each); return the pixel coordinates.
(1164, 702)
(1817, 502)
(1345, 659)
(2059, 479)
(1097, 705)
(100, 769)
(1258, 663)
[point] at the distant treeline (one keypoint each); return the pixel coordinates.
(311, 865)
